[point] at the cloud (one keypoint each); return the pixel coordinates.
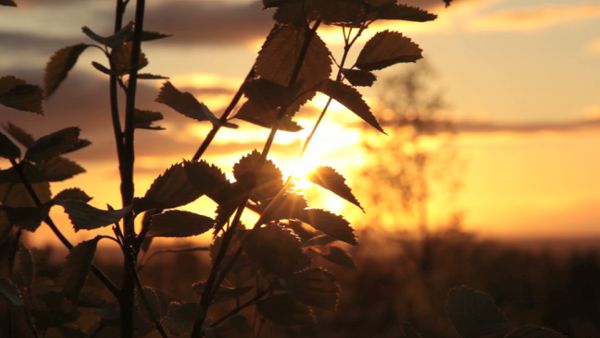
(594, 47)
(535, 18)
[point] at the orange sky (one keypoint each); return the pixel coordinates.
(498, 61)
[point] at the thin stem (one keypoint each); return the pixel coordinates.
(239, 308)
(113, 82)
(48, 220)
(155, 319)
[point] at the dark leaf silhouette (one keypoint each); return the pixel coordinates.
(27, 218)
(338, 256)
(331, 180)
(339, 12)
(152, 36)
(9, 3)
(358, 77)
(60, 142)
(121, 59)
(144, 119)
(351, 99)
(253, 113)
(275, 249)
(394, 11)
(73, 194)
(262, 176)
(58, 169)
(59, 66)
(10, 292)
(114, 40)
(8, 149)
(208, 180)
(171, 189)
(16, 195)
(180, 317)
(86, 217)
(315, 287)
(330, 224)
(18, 94)
(19, 134)
(186, 104)
(385, 49)
(289, 206)
(284, 310)
(148, 76)
(178, 223)
(102, 68)
(531, 331)
(474, 313)
(76, 267)
(23, 268)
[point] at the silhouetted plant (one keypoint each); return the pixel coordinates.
(268, 265)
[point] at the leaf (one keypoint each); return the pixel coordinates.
(180, 317)
(102, 68)
(19, 134)
(349, 13)
(330, 224)
(8, 149)
(474, 313)
(148, 76)
(393, 11)
(289, 206)
(351, 99)
(10, 292)
(253, 113)
(358, 77)
(314, 287)
(73, 194)
(16, 93)
(532, 331)
(385, 49)
(9, 3)
(120, 58)
(152, 36)
(17, 195)
(76, 267)
(113, 40)
(144, 119)
(58, 169)
(178, 223)
(331, 180)
(85, 216)
(186, 104)
(278, 57)
(283, 310)
(275, 249)
(59, 66)
(60, 142)
(28, 218)
(339, 257)
(23, 268)
(208, 180)
(170, 190)
(262, 176)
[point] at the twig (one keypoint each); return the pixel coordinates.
(239, 308)
(155, 319)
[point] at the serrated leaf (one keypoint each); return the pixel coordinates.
(178, 223)
(86, 217)
(186, 104)
(331, 180)
(8, 149)
(152, 36)
(288, 206)
(120, 58)
(23, 268)
(349, 13)
(9, 3)
(393, 11)
(144, 119)
(474, 313)
(19, 134)
(351, 99)
(283, 310)
(16, 93)
(251, 112)
(148, 76)
(10, 292)
(73, 194)
(57, 143)
(17, 195)
(208, 180)
(102, 68)
(113, 40)
(27, 218)
(58, 169)
(532, 331)
(59, 66)
(275, 249)
(330, 224)
(76, 267)
(385, 49)
(262, 176)
(315, 287)
(278, 57)
(358, 77)
(338, 256)
(171, 189)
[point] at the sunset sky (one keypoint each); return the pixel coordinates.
(522, 79)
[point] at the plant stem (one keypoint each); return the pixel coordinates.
(48, 220)
(155, 318)
(240, 307)
(114, 98)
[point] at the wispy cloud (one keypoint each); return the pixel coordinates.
(535, 18)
